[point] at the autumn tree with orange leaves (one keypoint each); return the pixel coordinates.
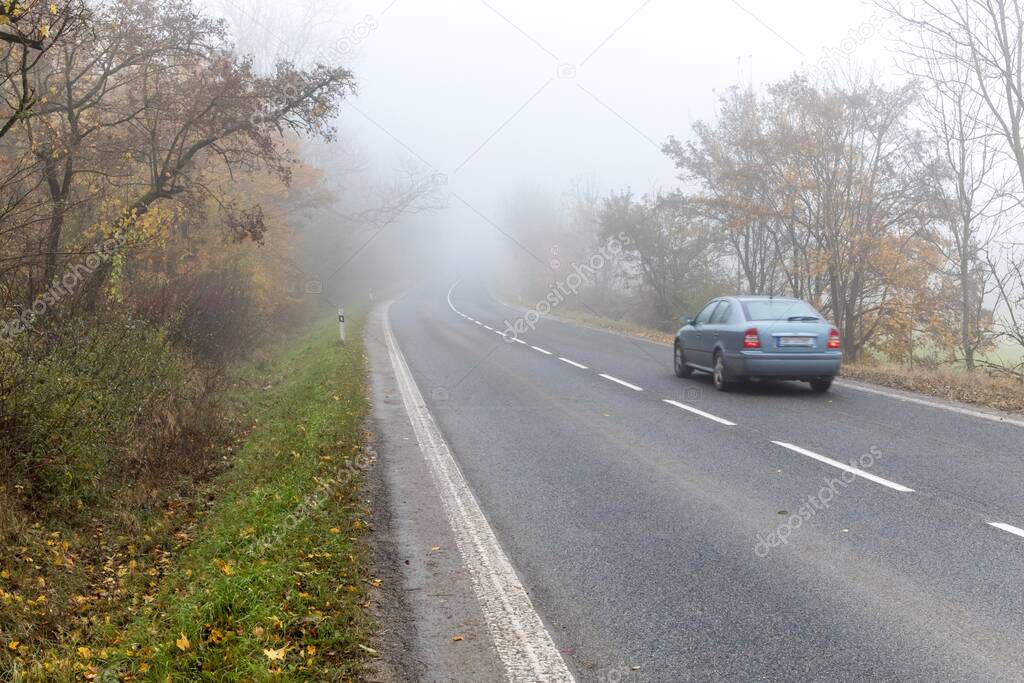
(824, 191)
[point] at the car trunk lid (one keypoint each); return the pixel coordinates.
(783, 336)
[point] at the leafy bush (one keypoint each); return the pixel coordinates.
(86, 409)
(214, 313)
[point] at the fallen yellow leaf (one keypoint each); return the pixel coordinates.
(13, 644)
(275, 655)
(182, 643)
(457, 638)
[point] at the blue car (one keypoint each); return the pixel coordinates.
(737, 338)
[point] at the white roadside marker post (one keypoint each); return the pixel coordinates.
(341, 324)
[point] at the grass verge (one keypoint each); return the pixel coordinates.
(954, 384)
(269, 581)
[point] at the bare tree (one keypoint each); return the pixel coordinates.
(1007, 268)
(979, 46)
(971, 195)
(969, 53)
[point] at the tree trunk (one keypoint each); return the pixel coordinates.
(58, 203)
(966, 340)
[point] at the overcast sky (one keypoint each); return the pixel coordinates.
(495, 94)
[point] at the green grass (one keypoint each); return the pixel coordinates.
(1007, 352)
(272, 581)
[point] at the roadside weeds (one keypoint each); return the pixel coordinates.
(271, 581)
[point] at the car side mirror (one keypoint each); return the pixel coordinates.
(687, 320)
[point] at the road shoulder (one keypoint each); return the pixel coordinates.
(427, 598)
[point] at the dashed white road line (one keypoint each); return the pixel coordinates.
(695, 411)
(848, 468)
(523, 644)
(622, 382)
(549, 656)
(1008, 527)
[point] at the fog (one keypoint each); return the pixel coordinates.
(495, 96)
(517, 123)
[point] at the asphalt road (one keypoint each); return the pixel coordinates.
(649, 535)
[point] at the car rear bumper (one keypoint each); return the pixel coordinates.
(785, 365)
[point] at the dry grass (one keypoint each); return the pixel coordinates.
(618, 326)
(980, 388)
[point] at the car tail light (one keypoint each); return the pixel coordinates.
(833, 339)
(751, 340)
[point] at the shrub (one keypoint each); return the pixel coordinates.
(86, 409)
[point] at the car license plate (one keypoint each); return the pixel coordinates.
(796, 341)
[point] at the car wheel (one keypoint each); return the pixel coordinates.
(719, 375)
(821, 385)
(679, 362)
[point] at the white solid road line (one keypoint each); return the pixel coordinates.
(933, 404)
(520, 639)
(1008, 527)
(450, 304)
(622, 382)
(517, 340)
(695, 411)
(537, 348)
(573, 363)
(848, 468)
(488, 327)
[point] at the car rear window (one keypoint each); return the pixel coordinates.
(777, 309)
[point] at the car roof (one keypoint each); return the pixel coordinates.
(761, 297)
